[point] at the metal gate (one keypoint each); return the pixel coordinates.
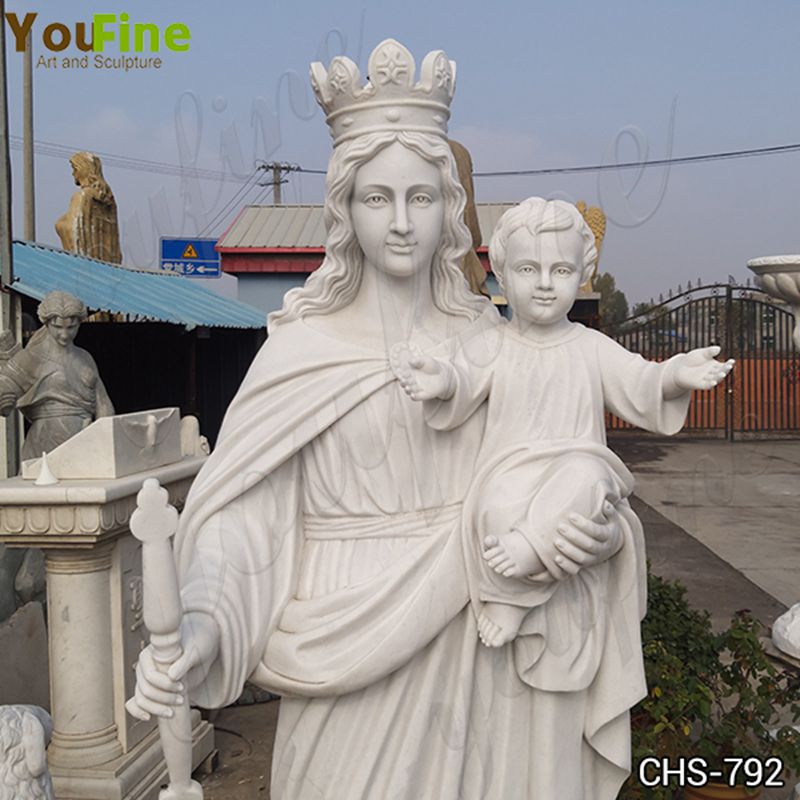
(762, 394)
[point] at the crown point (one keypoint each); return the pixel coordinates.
(391, 64)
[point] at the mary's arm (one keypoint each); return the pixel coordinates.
(236, 573)
(240, 573)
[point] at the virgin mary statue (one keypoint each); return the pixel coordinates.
(320, 552)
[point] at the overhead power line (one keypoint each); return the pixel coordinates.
(231, 205)
(160, 167)
(127, 162)
(658, 162)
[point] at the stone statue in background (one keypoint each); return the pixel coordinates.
(25, 732)
(54, 384)
(89, 227)
(596, 220)
(470, 265)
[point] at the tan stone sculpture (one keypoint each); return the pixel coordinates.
(471, 265)
(596, 220)
(55, 384)
(89, 227)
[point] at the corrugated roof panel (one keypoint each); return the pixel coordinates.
(243, 223)
(304, 226)
(263, 230)
(296, 224)
(248, 227)
(488, 214)
(251, 224)
(314, 234)
(39, 269)
(285, 217)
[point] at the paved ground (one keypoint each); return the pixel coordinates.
(724, 519)
(741, 500)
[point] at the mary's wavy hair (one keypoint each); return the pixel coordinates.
(335, 284)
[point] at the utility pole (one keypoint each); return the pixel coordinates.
(9, 433)
(27, 141)
(276, 184)
(278, 168)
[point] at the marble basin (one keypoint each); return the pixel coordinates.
(779, 277)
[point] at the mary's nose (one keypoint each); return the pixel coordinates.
(401, 224)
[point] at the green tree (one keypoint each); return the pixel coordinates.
(613, 303)
(641, 308)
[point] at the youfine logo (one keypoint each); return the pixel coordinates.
(110, 31)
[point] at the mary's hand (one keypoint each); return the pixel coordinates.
(583, 542)
(158, 691)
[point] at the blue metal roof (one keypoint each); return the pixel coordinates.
(141, 294)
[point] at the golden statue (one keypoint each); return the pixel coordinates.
(596, 220)
(89, 227)
(471, 265)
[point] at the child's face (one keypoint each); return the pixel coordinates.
(542, 274)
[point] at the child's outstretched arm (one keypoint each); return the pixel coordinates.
(423, 377)
(450, 389)
(697, 369)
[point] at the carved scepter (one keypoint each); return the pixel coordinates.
(153, 523)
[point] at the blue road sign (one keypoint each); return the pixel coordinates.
(195, 258)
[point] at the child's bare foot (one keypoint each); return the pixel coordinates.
(499, 624)
(510, 554)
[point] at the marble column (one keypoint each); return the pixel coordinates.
(79, 597)
(95, 629)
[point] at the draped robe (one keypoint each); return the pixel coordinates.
(325, 537)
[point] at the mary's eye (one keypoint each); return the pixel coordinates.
(421, 199)
(375, 200)
(563, 272)
(526, 270)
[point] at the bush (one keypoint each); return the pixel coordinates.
(710, 695)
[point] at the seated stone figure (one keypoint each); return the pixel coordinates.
(549, 381)
(54, 384)
(89, 226)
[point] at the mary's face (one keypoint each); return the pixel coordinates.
(397, 210)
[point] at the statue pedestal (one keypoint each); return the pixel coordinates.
(95, 628)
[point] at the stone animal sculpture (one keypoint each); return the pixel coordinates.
(25, 732)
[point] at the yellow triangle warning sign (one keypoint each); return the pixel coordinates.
(189, 252)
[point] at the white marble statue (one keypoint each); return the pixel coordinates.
(321, 550)
(25, 732)
(544, 455)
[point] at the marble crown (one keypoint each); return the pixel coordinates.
(390, 100)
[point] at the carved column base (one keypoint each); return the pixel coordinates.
(137, 775)
(84, 749)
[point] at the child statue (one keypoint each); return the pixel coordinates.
(548, 381)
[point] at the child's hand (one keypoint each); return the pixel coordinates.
(422, 377)
(699, 369)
